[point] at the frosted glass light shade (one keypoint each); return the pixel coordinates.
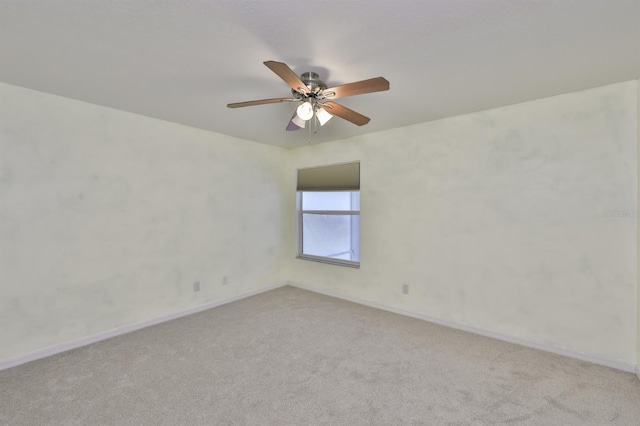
(323, 116)
(305, 111)
(298, 121)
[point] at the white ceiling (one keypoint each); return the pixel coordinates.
(183, 61)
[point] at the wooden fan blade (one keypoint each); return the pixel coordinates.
(291, 78)
(261, 102)
(377, 84)
(346, 113)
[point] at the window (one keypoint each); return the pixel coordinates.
(329, 214)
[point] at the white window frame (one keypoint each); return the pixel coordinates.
(355, 236)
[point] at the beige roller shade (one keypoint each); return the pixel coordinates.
(336, 177)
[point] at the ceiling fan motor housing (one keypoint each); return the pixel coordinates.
(313, 82)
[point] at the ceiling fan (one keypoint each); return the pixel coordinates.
(316, 98)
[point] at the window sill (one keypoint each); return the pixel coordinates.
(330, 261)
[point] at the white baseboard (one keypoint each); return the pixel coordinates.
(62, 347)
(560, 350)
(556, 349)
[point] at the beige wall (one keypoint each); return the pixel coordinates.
(107, 218)
(638, 287)
(497, 221)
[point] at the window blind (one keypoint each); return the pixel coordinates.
(336, 177)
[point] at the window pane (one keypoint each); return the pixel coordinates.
(331, 236)
(355, 201)
(329, 200)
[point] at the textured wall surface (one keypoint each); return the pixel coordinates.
(514, 220)
(107, 218)
(517, 220)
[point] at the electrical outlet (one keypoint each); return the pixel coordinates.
(196, 286)
(225, 280)
(405, 288)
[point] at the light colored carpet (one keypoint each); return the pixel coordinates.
(292, 357)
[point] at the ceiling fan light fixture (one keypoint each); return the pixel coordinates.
(323, 116)
(297, 121)
(305, 111)
(317, 99)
